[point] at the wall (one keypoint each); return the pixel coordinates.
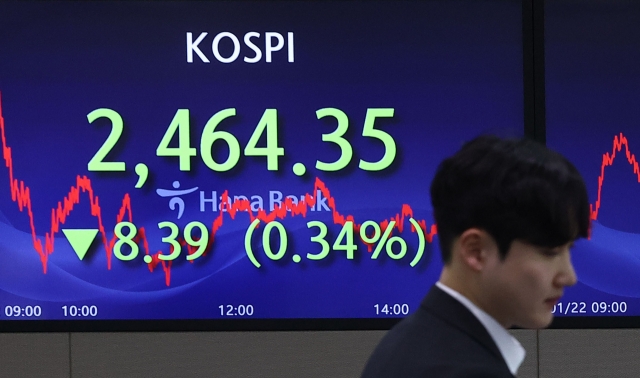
(550, 354)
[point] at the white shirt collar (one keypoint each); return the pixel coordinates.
(511, 350)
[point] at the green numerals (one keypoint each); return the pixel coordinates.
(184, 151)
(176, 248)
(320, 240)
(266, 130)
(199, 242)
(268, 124)
(346, 151)
(210, 135)
(344, 241)
(266, 240)
(96, 163)
(387, 140)
(126, 232)
(125, 239)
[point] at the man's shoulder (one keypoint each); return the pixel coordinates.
(426, 342)
(425, 339)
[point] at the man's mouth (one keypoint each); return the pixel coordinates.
(552, 301)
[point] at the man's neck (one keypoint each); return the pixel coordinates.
(469, 288)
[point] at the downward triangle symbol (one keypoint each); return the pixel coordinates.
(80, 240)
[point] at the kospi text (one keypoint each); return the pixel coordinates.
(271, 42)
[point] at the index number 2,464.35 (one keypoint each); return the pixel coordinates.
(267, 125)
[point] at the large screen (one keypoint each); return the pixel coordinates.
(237, 160)
(592, 88)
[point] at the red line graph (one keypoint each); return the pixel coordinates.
(607, 160)
(21, 194)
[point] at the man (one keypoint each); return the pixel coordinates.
(507, 213)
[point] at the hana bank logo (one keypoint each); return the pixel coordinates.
(213, 201)
(176, 202)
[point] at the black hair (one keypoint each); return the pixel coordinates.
(512, 189)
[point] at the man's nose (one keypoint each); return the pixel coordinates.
(567, 275)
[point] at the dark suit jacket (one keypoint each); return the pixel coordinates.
(441, 339)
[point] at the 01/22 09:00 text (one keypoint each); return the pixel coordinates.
(573, 308)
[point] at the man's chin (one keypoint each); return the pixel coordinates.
(545, 321)
(537, 322)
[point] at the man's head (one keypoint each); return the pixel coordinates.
(507, 212)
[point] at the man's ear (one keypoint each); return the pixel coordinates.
(473, 248)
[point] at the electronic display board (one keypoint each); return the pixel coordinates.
(592, 84)
(222, 161)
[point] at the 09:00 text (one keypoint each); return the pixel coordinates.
(28, 311)
(595, 308)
